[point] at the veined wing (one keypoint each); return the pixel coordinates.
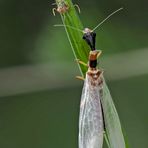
(91, 120)
(113, 128)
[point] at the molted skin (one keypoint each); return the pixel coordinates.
(62, 8)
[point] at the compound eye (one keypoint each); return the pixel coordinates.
(84, 37)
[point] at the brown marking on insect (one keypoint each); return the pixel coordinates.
(95, 76)
(93, 72)
(62, 7)
(93, 55)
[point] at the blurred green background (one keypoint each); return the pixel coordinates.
(39, 96)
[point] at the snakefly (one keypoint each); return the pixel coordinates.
(91, 118)
(91, 124)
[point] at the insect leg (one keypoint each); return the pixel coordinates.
(81, 62)
(77, 6)
(99, 53)
(80, 78)
(53, 11)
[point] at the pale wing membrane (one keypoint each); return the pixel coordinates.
(90, 120)
(113, 128)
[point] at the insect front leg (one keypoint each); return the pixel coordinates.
(81, 62)
(77, 6)
(84, 64)
(98, 53)
(53, 11)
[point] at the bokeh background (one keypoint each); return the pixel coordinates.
(39, 96)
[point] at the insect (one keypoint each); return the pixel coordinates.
(62, 7)
(91, 118)
(91, 124)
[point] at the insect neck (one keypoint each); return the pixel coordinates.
(93, 71)
(93, 59)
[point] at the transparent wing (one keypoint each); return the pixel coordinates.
(113, 125)
(90, 119)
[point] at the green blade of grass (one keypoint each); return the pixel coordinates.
(113, 132)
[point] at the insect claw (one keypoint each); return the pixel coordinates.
(99, 53)
(53, 11)
(77, 6)
(81, 62)
(80, 78)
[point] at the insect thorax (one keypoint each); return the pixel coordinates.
(93, 58)
(94, 76)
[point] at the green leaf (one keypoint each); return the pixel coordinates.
(113, 133)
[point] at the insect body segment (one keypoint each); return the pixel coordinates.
(92, 63)
(93, 55)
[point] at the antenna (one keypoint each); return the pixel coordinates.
(60, 25)
(107, 18)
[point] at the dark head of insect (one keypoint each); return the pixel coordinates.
(90, 38)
